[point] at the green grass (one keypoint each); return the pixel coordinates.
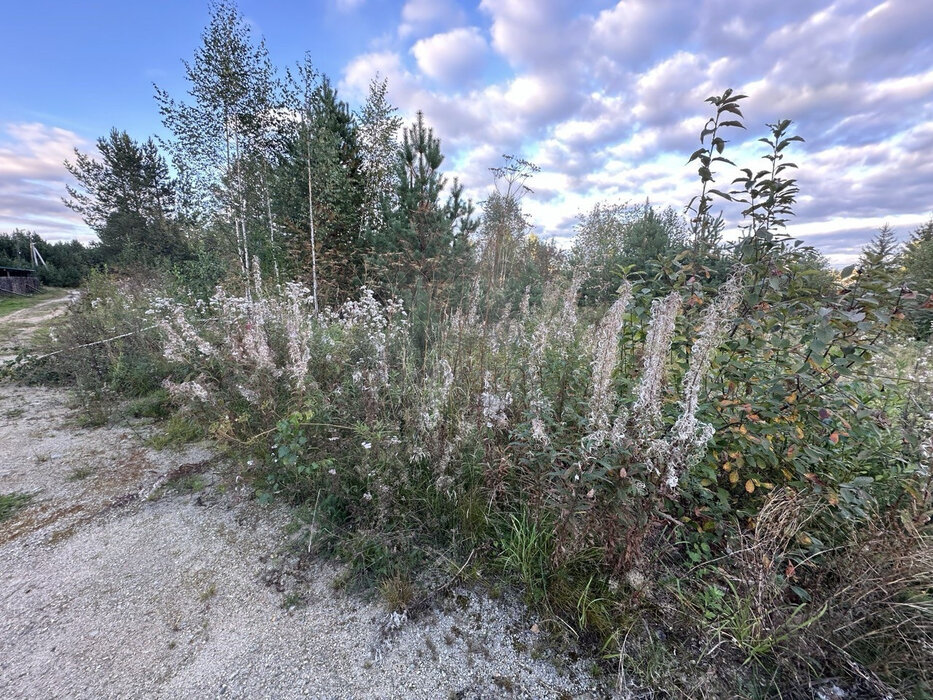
(10, 303)
(177, 431)
(12, 502)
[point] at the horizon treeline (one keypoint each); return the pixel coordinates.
(270, 172)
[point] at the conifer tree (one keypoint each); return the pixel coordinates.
(429, 240)
(319, 189)
(128, 199)
(880, 255)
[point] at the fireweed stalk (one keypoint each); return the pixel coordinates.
(605, 359)
(672, 455)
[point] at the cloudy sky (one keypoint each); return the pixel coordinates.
(606, 97)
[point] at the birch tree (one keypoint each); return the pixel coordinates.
(218, 136)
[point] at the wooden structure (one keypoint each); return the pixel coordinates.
(18, 281)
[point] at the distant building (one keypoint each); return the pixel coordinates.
(18, 280)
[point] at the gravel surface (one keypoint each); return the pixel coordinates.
(17, 327)
(118, 580)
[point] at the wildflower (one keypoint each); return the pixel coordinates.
(366, 445)
(605, 358)
(367, 496)
(332, 472)
(436, 397)
(539, 431)
(494, 406)
(189, 389)
(689, 437)
(647, 408)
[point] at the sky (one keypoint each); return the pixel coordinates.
(607, 98)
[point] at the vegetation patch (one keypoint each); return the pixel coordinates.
(10, 503)
(707, 461)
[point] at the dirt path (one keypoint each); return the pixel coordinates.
(138, 573)
(18, 327)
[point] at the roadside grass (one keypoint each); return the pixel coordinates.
(12, 502)
(10, 303)
(176, 431)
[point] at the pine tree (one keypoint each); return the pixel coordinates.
(430, 241)
(918, 257)
(318, 182)
(128, 199)
(879, 257)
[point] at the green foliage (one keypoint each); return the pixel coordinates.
(917, 258)
(104, 345)
(10, 503)
(67, 263)
(618, 242)
(317, 179)
(427, 241)
(220, 138)
(177, 431)
(665, 408)
(129, 200)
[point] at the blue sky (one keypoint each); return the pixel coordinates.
(606, 97)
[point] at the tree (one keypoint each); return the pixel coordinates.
(917, 258)
(128, 199)
(615, 241)
(318, 182)
(880, 255)
(430, 241)
(505, 228)
(378, 127)
(220, 139)
(66, 262)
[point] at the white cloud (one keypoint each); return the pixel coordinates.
(32, 180)
(610, 103)
(453, 57)
(420, 16)
(544, 35)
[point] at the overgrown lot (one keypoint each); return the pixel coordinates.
(708, 460)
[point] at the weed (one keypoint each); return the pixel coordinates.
(177, 431)
(153, 405)
(397, 592)
(79, 473)
(293, 599)
(10, 503)
(525, 549)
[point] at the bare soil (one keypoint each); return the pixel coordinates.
(18, 327)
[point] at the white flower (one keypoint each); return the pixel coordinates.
(367, 496)
(366, 445)
(332, 472)
(605, 358)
